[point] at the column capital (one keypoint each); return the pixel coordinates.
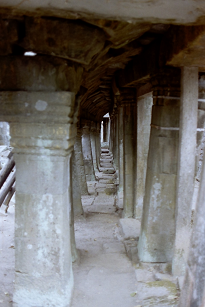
(166, 86)
(40, 122)
(127, 96)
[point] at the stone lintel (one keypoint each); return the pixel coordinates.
(180, 46)
(184, 46)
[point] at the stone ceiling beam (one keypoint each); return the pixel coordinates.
(185, 46)
(180, 46)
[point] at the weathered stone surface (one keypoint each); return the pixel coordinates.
(109, 171)
(130, 228)
(132, 11)
(80, 163)
(132, 250)
(39, 73)
(144, 109)
(8, 35)
(188, 51)
(129, 153)
(160, 276)
(158, 222)
(43, 201)
(87, 151)
(34, 110)
(186, 167)
(143, 275)
(194, 284)
(64, 38)
(76, 190)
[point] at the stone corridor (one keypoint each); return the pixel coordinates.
(102, 104)
(104, 243)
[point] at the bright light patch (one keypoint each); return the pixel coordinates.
(29, 53)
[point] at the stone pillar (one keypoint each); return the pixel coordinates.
(128, 100)
(76, 204)
(186, 166)
(98, 144)
(43, 146)
(156, 240)
(93, 144)
(111, 134)
(120, 147)
(87, 152)
(144, 110)
(105, 129)
(120, 154)
(193, 292)
(76, 189)
(80, 163)
(116, 141)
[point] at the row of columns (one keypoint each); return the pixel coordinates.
(157, 166)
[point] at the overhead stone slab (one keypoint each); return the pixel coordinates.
(74, 40)
(154, 11)
(185, 46)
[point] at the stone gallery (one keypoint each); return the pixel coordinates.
(104, 101)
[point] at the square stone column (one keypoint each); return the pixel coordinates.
(127, 100)
(80, 168)
(120, 148)
(144, 111)
(186, 166)
(87, 151)
(42, 134)
(156, 240)
(98, 144)
(193, 292)
(115, 137)
(76, 189)
(93, 144)
(105, 129)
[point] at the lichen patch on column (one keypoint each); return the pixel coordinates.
(41, 105)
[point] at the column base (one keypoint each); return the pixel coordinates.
(26, 296)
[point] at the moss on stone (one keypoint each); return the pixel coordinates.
(170, 286)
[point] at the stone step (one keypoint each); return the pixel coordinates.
(107, 181)
(104, 150)
(106, 160)
(111, 190)
(106, 165)
(106, 155)
(109, 171)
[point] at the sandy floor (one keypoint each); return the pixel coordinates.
(104, 276)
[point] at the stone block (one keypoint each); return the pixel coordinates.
(180, 280)
(132, 250)
(110, 190)
(130, 228)
(109, 171)
(160, 276)
(143, 275)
